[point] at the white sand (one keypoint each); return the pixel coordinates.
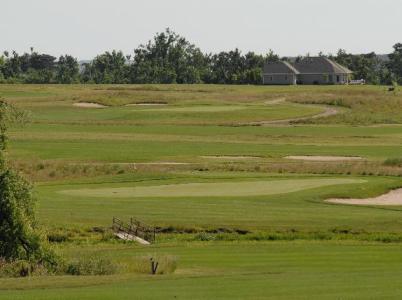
(89, 105)
(392, 198)
(324, 158)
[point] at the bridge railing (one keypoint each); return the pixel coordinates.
(135, 227)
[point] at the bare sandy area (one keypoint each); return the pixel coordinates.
(275, 101)
(229, 157)
(329, 111)
(324, 158)
(394, 197)
(89, 105)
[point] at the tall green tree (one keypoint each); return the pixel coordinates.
(67, 70)
(364, 66)
(168, 58)
(109, 67)
(395, 63)
(19, 238)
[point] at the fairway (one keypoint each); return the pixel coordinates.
(230, 189)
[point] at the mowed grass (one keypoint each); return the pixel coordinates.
(221, 189)
(196, 121)
(219, 270)
(299, 207)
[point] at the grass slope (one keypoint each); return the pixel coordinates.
(280, 270)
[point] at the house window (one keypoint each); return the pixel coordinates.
(286, 77)
(271, 78)
(337, 78)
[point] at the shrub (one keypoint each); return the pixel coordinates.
(91, 266)
(167, 264)
(393, 162)
(57, 237)
(203, 236)
(21, 268)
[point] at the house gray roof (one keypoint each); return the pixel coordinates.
(279, 67)
(320, 65)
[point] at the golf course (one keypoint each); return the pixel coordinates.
(247, 188)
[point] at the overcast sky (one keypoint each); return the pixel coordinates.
(85, 28)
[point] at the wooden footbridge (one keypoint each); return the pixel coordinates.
(134, 231)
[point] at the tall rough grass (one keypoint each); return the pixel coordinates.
(167, 264)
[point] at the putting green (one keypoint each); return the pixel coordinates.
(200, 108)
(228, 189)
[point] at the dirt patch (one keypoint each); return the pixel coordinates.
(329, 111)
(324, 158)
(392, 198)
(229, 157)
(89, 105)
(275, 101)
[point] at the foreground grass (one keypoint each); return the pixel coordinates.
(276, 270)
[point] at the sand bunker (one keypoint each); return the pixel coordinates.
(230, 157)
(89, 105)
(392, 198)
(324, 158)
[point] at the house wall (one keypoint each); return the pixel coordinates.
(331, 78)
(279, 79)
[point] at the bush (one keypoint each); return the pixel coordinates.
(393, 162)
(57, 237)
(203, 236)
(21, 268)
(91, 266)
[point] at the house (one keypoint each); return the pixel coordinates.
(310, 70)
(280, 72)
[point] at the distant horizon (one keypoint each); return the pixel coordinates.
(85, 29)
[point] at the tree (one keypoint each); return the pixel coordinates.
(364, 66)
(67, 70)
(168, 58)
(19, 238)
(395, 62)
(109, 67)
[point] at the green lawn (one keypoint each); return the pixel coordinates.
(275, 270)
(299, 206)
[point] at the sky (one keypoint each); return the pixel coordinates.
(85, 28)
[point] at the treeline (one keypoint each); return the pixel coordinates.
(170, 58)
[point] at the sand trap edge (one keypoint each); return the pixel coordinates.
(323, 158)
(89, 105)
(392, 198)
